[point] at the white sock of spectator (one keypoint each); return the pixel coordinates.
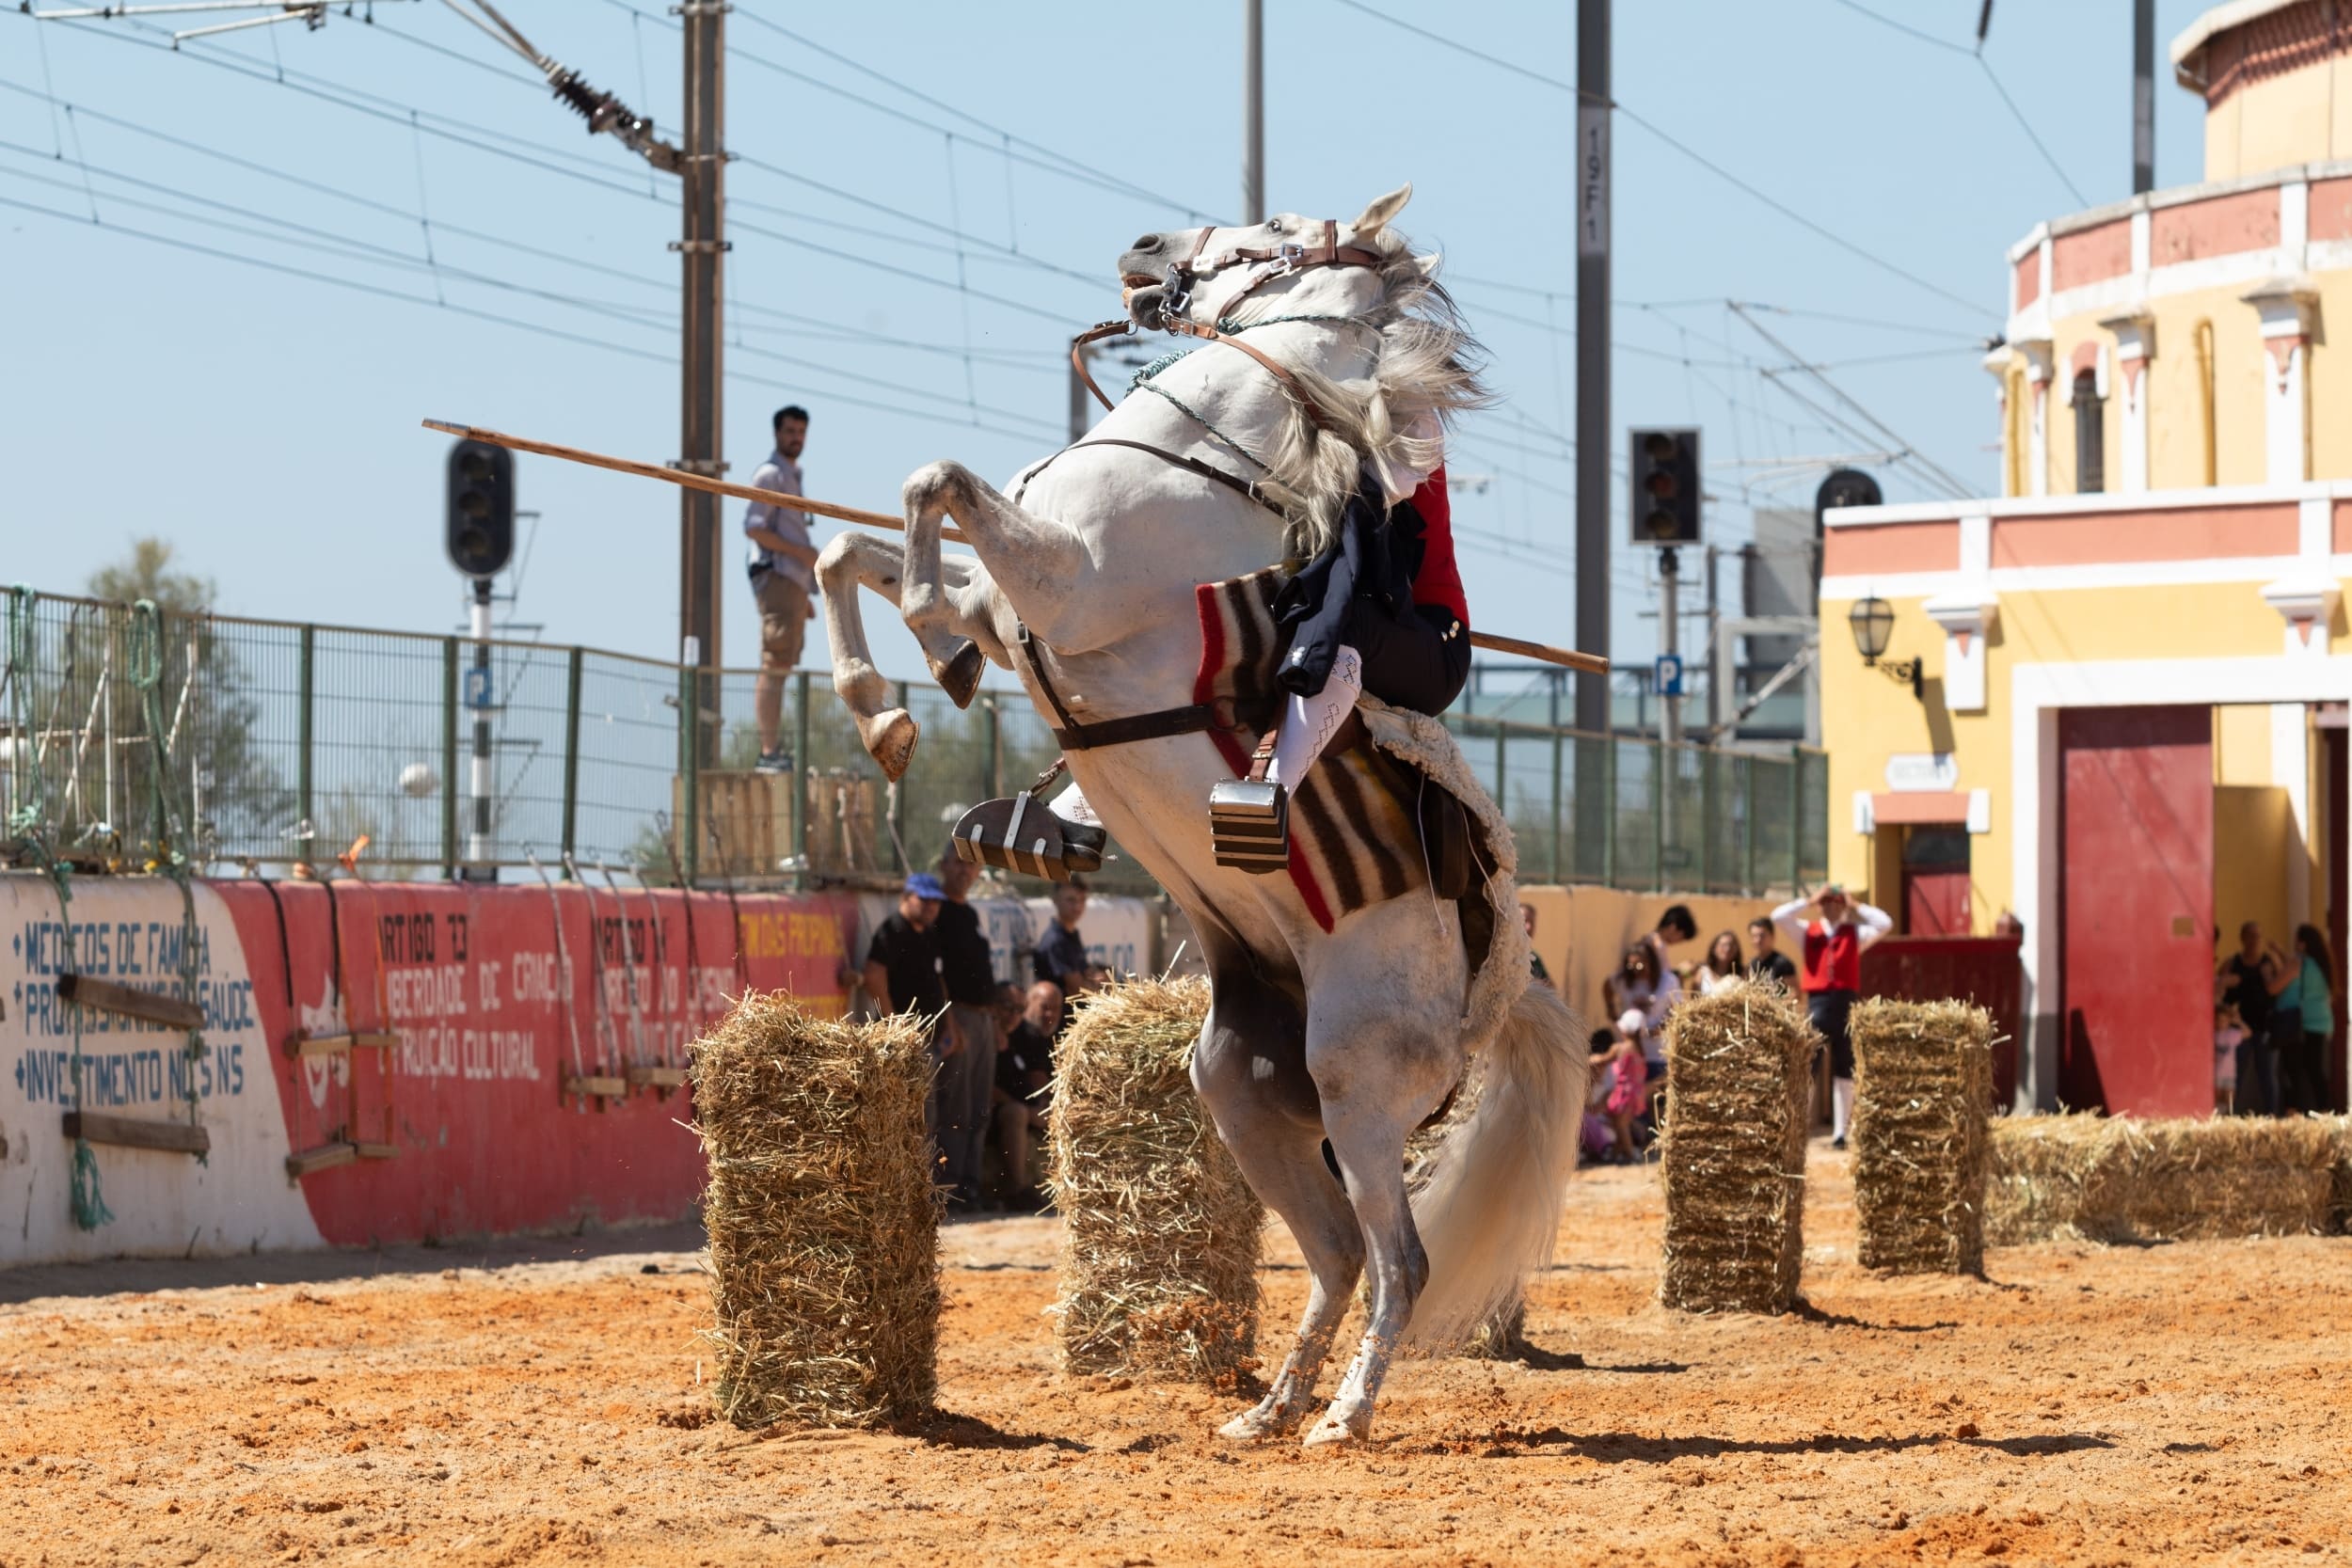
(1841, 1098)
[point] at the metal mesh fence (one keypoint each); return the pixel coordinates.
(126, 736)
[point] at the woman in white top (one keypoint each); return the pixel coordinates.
(1725, 965)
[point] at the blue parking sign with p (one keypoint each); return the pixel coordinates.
(1669, 675)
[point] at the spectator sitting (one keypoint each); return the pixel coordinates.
(1024, 1073)
(1769, 964)
(1725, 965)
(1061, 958)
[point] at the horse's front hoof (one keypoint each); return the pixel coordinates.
(890, 736)
(1338, 1431)
(959, 677)
(1257, 1423)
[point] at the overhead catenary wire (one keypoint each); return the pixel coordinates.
(1959, 487)
(1619, 106)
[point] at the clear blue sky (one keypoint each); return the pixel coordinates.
(266, 422)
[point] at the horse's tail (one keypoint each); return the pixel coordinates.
(1489, 1211)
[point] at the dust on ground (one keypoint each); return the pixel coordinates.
(538, 1403)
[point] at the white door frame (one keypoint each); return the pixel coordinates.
(2038, 692)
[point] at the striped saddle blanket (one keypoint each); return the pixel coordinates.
(1354, 835)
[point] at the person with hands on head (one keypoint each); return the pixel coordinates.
(1831, 940)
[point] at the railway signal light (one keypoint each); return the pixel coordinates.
(1665, 487)
(480, 517)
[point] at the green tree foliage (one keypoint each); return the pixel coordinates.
(218, 785)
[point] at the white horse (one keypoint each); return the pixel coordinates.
(1355, 1035)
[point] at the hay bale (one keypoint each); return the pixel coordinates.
(2122, 1179)
(1923, 1078)
(1734, 1151)
(2034, 1168)
(824, 1222)
(2339, 1199)
(1160, 1233)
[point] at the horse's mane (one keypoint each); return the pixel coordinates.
(1427, 363)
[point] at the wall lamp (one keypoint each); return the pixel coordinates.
(1873, 622)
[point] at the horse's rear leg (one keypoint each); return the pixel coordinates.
(1250, 1071)
(1383, 1041)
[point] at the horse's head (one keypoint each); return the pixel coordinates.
(1202, 274)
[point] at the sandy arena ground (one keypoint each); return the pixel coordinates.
(538, 1403)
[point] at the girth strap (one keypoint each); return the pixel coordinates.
(1071, 735)
(1246, 489)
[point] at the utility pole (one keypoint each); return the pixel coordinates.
(702, 246)
(2143, 95)
(1593, 441)
(1253, 112)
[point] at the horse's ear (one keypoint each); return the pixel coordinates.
(1376, 217)
(1429, 263)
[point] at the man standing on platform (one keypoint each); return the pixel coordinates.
(784, 580)
(967, 1075)
(1831, 974)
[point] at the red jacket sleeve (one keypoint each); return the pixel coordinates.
(1440, 580)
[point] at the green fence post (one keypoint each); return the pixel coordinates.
(571, 754)
(1657, 816)
(1609, 811)
(690, 726)
(1706, 821)
(898, 806)
(1502, 769)
(1747, 822)
(306, 685)
(800, 778)
(449, 758)
(1796, 821)
(992, 741)
(1556, 877)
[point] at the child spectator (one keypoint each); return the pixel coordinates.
(1628, 1097)
(2229, 1033)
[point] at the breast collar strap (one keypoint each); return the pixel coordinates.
(1071, 735)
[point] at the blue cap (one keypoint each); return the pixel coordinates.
(924, 885)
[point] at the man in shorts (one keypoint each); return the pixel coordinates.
(784, 580)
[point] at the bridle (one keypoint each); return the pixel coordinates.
(1282, 261)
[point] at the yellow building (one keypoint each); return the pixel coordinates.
(2125, 721)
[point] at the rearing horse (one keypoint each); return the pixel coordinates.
(1349, 1022)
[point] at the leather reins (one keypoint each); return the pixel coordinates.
(1280, 262)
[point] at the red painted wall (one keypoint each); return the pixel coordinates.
(473, 981)
(2135, 909)
(1986, 971)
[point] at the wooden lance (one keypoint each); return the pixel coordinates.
(1568, 657)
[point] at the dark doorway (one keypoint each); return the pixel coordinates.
(2336, 823)
(2135, 937)
(2091, 435)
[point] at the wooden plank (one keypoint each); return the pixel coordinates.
(375, 1152)
(325, 1157)
(609, 1088)
(658, 1077)
(173, 1137)
(302, 1043)
(131, 1002)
